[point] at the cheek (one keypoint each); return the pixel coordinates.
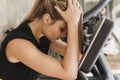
(52, 34)
(55, 33)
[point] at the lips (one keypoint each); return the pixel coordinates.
(57, 38)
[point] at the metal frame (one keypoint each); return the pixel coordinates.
(92, 62)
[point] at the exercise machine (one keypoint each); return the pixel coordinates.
(94, 60)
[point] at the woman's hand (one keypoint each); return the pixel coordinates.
(73, 12)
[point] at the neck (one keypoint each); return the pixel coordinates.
(36, 27)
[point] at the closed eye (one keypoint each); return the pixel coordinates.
(63, 29)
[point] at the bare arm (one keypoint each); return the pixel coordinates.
(59, 47)
(29, 55)
(71, 17)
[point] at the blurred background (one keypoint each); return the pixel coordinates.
(12, 12)
(112, 47)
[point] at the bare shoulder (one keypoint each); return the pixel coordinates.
(17, 48)
(19, 42)
(20, 45)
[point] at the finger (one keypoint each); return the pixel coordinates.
(81, 10)
(81, 16)
(74, 2)
(80, 21)
(70, 2)
(77, 3)
(59, 10)
(79, 6)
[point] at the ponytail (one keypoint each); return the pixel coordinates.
(41, 7)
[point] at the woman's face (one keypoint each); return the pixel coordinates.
(56, 30)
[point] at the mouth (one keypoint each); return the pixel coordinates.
(57, 38)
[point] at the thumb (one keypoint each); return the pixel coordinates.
(59, 10)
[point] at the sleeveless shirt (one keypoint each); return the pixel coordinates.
(19, 71)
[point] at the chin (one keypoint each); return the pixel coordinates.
(53, 40)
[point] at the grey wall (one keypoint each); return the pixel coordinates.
(12, 12)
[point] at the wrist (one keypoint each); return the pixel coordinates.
(72, 25)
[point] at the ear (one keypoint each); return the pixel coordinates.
(46, 18)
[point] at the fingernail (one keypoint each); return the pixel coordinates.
(55, 6)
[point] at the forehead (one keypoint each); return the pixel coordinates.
(61, 23)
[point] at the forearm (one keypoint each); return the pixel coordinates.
(70, 60)
(71, 16)
(59, 47)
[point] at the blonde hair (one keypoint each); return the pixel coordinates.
(41, 7)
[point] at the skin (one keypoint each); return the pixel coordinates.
(29, 55)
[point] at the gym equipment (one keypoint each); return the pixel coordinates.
(94, 60)
(93, 57)
(95, 10)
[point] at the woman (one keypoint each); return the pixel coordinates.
(24, 51)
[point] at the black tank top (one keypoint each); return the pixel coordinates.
(19, 71)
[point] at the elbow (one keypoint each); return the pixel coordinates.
(71, 76)
(74, 77)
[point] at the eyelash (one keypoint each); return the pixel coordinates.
(62, 29)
